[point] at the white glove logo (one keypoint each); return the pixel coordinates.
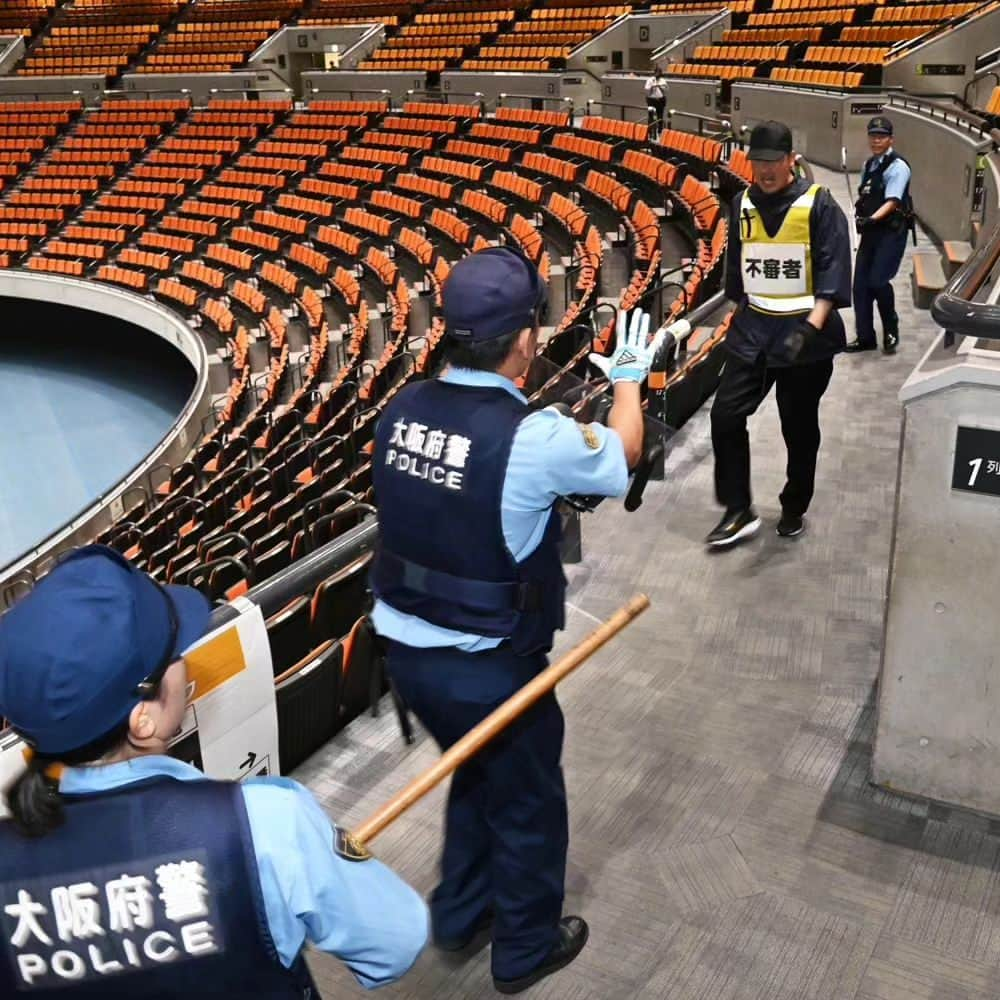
(632, 356)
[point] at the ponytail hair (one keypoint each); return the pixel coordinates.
(34, 799)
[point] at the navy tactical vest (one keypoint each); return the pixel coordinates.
(147, 891)
(441, 453)
(872, 192)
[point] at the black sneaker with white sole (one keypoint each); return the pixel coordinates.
(734, 527)
(790, 525)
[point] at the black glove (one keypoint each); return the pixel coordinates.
(862, 222)
(800, 338)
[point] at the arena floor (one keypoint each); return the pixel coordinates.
(725, 843)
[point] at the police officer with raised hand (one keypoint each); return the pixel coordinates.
(124, 872)
(470, 591)
(883, 216)
(788, 268)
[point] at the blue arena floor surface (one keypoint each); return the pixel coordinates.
(78, 412)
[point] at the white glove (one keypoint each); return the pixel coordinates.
(632, 356)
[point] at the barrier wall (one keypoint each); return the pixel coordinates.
(53, 88)
(624, 96)
(944, 151)
(201, 87)
(547, 89)
(822, 121)
(109, 301)
(349, 85)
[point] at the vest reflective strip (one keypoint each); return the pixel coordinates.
(777, 270)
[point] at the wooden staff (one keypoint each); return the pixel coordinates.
(353, 845)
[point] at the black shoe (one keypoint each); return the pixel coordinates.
(790, 525)
(573, 934)
(734, 527)
(856, 347)
(890, 341)
(460, 944)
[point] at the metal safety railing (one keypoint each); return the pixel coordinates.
(954, 308)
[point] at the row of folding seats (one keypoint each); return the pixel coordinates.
(888, 34)
(822, 77)
(917, 12)
(769, 35)
(796, 18)
(698, 147)
(850, 55)
(721, 71)
(742, 53)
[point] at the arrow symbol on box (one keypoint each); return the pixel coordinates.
(251, 757)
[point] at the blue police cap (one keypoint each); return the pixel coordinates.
(880, 125)
(491, 293)
(74, 649)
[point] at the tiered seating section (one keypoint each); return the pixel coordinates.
(97, 36)
(310, 247)
(546, 37)
(217, 35)
(24, 17)
(817, 42)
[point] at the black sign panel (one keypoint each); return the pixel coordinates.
(941, 69)
(870, 108)
(977, 461)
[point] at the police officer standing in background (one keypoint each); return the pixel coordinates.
(125, 872)
(788, 268)
(884, 215)
(470, 590)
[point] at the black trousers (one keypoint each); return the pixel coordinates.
(656, 107)
(743, 387)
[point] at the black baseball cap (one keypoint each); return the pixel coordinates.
(770, 141)
(880, 125)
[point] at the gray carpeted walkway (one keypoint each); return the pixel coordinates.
(725, 844)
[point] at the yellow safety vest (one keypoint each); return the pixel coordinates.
(777, 270)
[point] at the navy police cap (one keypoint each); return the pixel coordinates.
(880, 125)
(491, 293)
(76, 648)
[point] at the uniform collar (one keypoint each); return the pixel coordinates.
(482, 380)
(103, 778)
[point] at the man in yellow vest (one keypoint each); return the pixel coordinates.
(788, 269)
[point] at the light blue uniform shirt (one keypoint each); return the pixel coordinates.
(549, 458)
(896, 177)
(359, 911)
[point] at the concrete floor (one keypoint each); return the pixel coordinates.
(725, 842)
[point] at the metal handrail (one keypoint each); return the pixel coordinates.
(946, 113)
(536, 97)
(953, 308)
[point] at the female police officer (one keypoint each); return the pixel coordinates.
(125, 873)
(471, 590)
